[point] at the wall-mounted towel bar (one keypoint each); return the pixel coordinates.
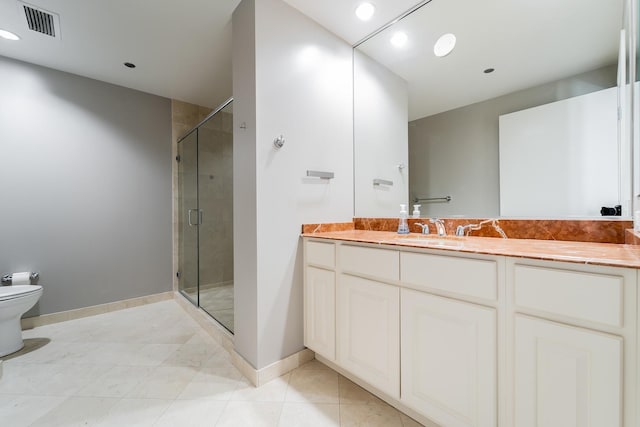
(445, 199)
(319, 174)
(378, 181)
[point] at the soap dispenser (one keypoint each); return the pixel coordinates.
(416, 211)
(403, 226)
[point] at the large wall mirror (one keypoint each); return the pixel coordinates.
(529, 116)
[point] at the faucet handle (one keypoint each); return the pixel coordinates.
(425, 227)
(439, 226)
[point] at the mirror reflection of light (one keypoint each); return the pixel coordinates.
(365, 11)
(8, 35)
(399, 39)
(444, 45)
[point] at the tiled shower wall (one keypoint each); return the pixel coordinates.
(215, 179)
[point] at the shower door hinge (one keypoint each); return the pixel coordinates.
(178, 159)
(178, 274)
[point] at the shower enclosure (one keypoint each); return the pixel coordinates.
(205, 228)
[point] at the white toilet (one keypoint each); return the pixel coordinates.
(14, 302)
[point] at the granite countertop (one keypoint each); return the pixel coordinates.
(616, 255)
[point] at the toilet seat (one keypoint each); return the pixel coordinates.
(17, 291)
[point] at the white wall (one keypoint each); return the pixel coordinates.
(381, 114)
(245, 256)
(561, 159)
(303, 91)
(86, 187)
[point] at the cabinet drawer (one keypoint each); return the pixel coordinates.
(581, 295)
(377, 263)
(322, 254)
(464, 276)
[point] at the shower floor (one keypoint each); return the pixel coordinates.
(217, 300)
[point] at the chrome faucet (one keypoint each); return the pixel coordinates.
(462, 230)
(439, 226)
(425, 227)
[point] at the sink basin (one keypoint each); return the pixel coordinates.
(431, 240)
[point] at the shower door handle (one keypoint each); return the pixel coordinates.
(198, 218)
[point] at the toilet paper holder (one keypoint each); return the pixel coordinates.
(7, 278)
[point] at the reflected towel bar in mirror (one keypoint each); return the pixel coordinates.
(322, 175)
(432, 199)
(378, 181)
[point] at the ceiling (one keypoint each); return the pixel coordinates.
(181, 49)
(338, 16)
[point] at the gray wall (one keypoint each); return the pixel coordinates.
(86, 187)
(456, 152)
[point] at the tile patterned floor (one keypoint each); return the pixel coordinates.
(154, 366)
(217, 301)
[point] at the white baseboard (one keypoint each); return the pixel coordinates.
(47, 319)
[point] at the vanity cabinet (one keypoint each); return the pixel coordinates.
(368, 315)
(459, 339)
(449, 371)
(368, 331)
(320, 299)
(320, 312)
(566, 376)
(573, 346)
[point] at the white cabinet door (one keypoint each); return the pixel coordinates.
(320, 312)
(368, 332)
(566, 376)
(449, 359)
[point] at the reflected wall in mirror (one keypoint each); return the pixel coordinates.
(520, 119)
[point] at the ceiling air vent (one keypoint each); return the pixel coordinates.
(40, 20)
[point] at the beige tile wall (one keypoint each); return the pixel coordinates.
(215, 180)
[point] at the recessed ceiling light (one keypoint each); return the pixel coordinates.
(129, 65)
(399, 39)
(444, 45)
(489, 70)
(8, 35)
(365, 11)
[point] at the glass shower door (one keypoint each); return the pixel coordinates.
(205, 215)
(215, 201)
(188, 216)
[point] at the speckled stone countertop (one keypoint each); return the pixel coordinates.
(616, 255)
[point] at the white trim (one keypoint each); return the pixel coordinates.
(63, 316)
